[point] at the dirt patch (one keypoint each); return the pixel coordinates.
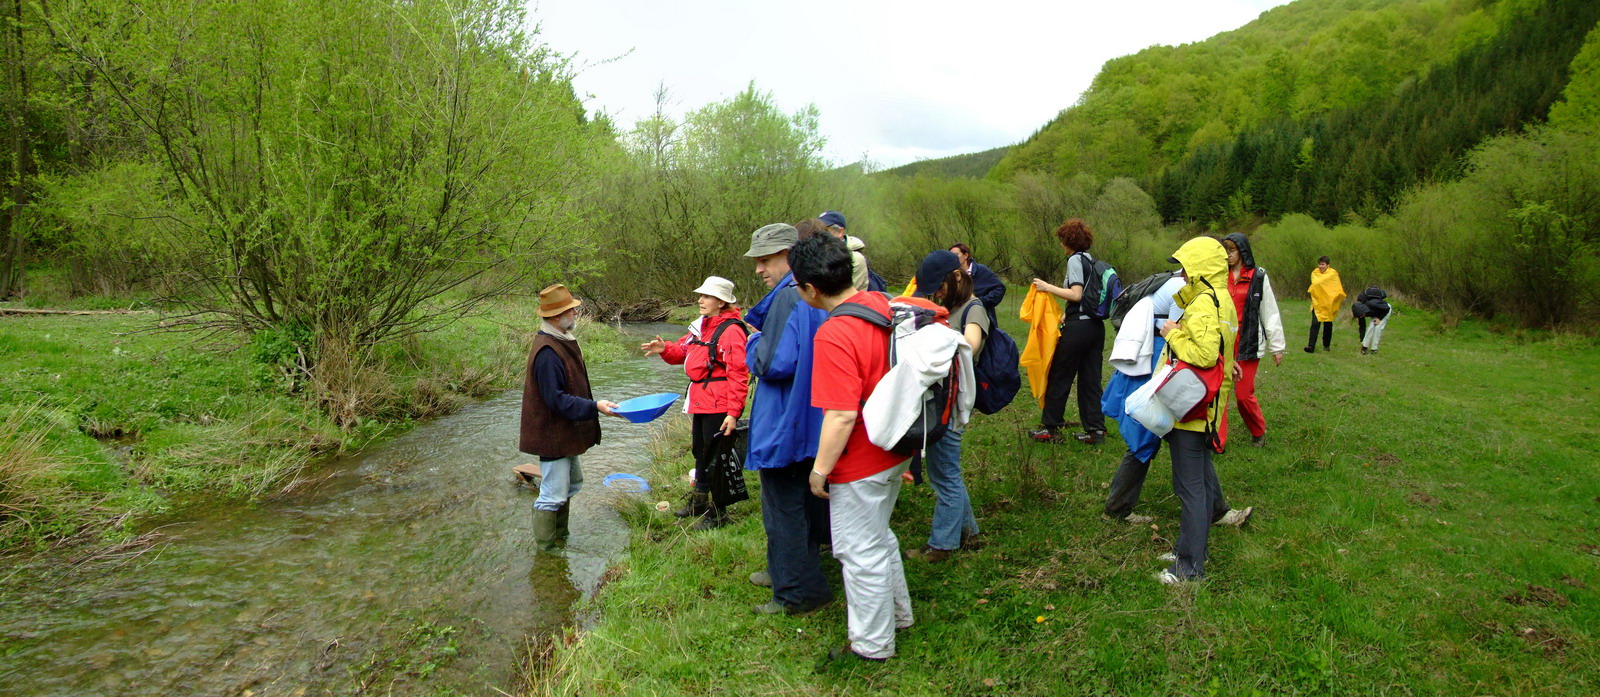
(1575, 583)
(1543, 639)
(1589, 549)
(1421, 498)
(1386, 459)
(1538, 595)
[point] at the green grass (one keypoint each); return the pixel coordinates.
(135, 423)
(1427, 523)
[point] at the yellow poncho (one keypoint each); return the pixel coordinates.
(1042, 312)
(1327, 294)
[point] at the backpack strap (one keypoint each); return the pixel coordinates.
(714, 360)
(859, 311)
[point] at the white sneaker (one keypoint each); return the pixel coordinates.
(1168, 557)
(1168, 579)
(1236, 517)
(1137, 519)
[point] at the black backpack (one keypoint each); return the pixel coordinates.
(715, 337)
(1136, 292)
(997, 368)
(1100, 287)
(938, 401)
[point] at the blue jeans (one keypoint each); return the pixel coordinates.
(797, 523)
(559, 480)
(952, 508)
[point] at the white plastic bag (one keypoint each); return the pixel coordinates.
(1149, 411)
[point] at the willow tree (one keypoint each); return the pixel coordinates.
(351, 170)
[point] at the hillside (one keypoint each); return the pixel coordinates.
(1311, 58)
(975, 164)
(1362, 159)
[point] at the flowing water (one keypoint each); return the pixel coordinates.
(410, 570)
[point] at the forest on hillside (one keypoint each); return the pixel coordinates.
(376, 170)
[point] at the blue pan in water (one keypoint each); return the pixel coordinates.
(626, 482)
(646, 408)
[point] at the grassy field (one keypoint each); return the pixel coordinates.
(104, 423)
(1427, 523)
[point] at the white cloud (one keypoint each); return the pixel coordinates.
(895, 81)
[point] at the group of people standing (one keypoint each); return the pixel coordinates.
(818, 344)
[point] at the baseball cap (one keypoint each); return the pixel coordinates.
(934, 268)
(833, 218)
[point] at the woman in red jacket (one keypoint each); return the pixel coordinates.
(712, 355)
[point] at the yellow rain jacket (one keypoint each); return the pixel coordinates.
(1209, 317)
(1327, 294)
(1042, 312)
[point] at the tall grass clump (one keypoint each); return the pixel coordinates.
(30, 505)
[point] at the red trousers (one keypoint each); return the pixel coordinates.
(1245, 393)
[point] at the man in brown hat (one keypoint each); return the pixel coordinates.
(559, 414)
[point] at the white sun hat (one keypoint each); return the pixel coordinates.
(719, 288)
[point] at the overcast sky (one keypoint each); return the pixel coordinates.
(895, 81)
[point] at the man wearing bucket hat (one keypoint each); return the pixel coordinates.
(559, 414)
(784, 429)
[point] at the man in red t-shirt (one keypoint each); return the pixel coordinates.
(860, 480)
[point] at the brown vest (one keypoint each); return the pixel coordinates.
(544, 432)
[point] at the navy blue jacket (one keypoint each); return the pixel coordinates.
(987, 285)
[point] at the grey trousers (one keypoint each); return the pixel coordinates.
(1129, 481)
(1194, 480)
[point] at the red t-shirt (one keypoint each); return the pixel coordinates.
(851, 356)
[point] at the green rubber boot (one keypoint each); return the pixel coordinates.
(563, 531)
(544, 532)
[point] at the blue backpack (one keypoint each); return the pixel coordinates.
(875, 283)
(997, 370)
(1101, 286)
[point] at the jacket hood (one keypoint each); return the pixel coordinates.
(854, 243)
(1243, 243)
(1204, 261)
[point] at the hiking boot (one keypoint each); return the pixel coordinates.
(1236, 517)
(1258, 441)
(1167, 578)
(773, 607)
(971, 540)
(1311, 349)
(932, 555)
(1091, 437)
(1363, 350)
(845, 653)
(1044, 435)
(761, 578)
(698, 503)
(712, 520)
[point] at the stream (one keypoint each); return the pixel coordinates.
(409, 570)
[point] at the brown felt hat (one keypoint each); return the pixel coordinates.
(555, 300)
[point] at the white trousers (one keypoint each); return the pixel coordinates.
(1374, 334)
(874, 576)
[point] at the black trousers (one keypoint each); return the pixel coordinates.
(1079, 355)
(1327, 333)
(705, 426)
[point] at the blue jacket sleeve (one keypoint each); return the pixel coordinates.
(552, 376)
(986, 284)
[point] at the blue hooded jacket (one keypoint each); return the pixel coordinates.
(784, 427)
